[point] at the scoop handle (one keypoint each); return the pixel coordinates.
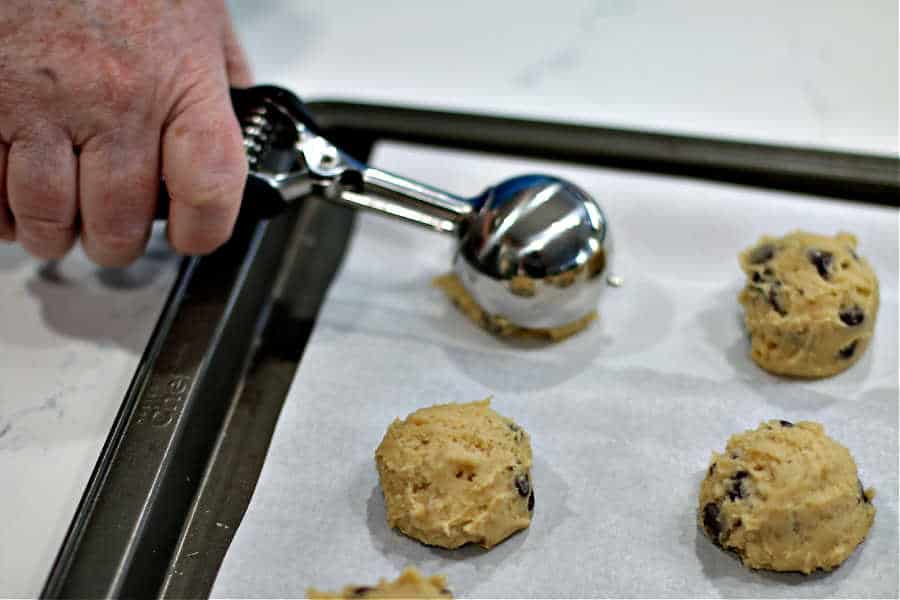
(405, 199)
(289, 158)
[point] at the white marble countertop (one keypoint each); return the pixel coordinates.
(815, 73)
(71, 335)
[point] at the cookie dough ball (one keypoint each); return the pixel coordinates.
(809, 304)
(410, 584)
(456, 473)
(785, 497)
(496, 324)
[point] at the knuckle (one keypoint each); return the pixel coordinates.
(197, 70)
(40, 182)
(115, 240)
(215, 192)
(122, 240)
(43, 229)
(44, 205)
(44, 239)
(193, 232)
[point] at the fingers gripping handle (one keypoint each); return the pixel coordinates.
(272, 121)
(288, 158)
(260, 201)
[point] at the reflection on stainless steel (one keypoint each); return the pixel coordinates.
(531, 248)
(527, 252)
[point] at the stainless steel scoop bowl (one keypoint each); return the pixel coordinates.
(532, 249)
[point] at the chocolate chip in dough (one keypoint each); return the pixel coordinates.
(737, 491)
(852, 316)
(786, 423)
(848, 350)
(761, 254)
(775, 298)
(361, 591)
(531, 502)
(822, 261)
(523, 485)
(862, 492)
(711, 521)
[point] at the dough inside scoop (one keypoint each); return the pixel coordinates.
(496, 324)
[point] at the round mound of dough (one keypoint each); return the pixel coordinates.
(410, 584)
(809, 304)
(455, 474)
(785, 497)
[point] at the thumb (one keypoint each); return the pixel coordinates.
(205, 167)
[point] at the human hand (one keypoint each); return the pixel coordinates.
(98, 99)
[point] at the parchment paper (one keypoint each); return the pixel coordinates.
(623, 417)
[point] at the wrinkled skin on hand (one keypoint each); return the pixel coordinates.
(98, 100)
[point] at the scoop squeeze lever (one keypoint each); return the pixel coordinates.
(531, 249)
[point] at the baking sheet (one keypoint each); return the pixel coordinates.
(623, 417)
